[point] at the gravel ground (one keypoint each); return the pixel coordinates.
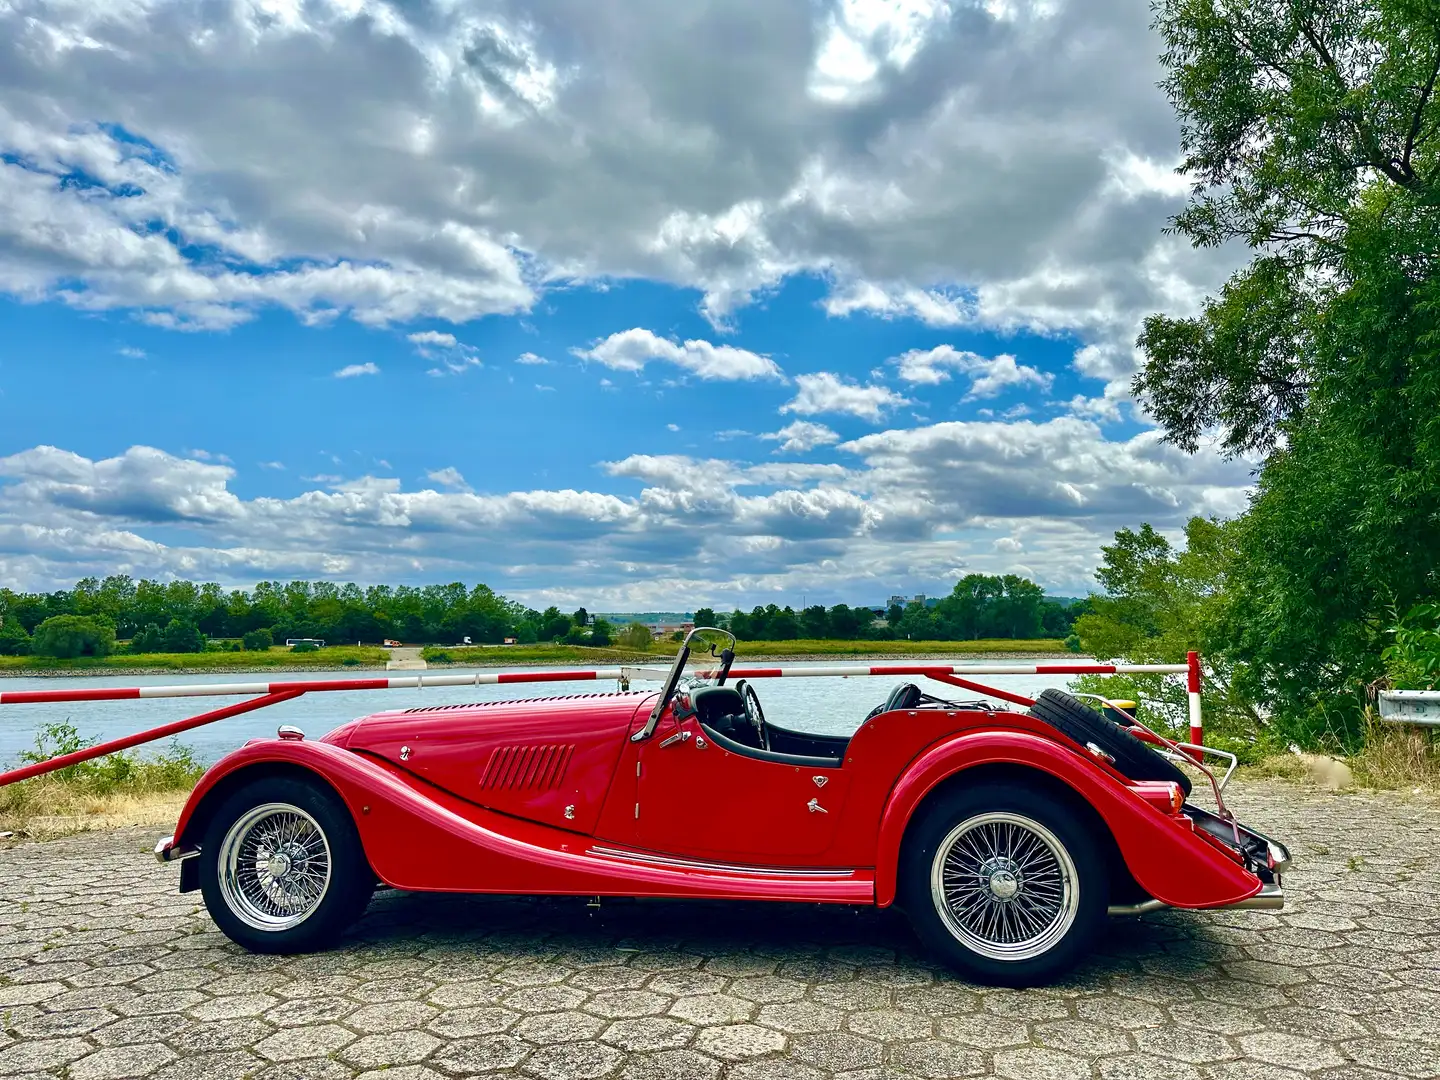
(107, 972)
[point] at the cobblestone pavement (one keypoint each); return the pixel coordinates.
(106, 971)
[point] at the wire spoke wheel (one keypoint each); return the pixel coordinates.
(1005, 886)
(274, 866)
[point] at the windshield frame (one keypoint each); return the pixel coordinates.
(677, 671)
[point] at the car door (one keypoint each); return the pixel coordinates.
(698, 799)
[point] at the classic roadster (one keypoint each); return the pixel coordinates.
(1006, 836)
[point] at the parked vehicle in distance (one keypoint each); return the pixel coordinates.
(1007, 836)
(390, 643)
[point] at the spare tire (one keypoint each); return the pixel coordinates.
(1133, 758)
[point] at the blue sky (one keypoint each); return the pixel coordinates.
(557, 298)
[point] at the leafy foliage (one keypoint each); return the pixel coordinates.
(174, 768)
(69, 636)
(1412, 660)
(258, 640)
(1311, 129)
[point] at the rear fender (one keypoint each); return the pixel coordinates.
(1164, 855)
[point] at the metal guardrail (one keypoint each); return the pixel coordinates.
(1410, 707)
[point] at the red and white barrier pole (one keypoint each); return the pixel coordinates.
(1192, 686)
(263, 694)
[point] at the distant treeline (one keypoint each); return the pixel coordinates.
(980, 606)
(180, 616)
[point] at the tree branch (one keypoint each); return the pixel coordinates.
(1419, 120)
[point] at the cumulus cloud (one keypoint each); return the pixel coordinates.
(911, 508)
(350, 371)
(989, 376)
(433, 337)
(530, 358)
(999, 164)
(825, 392)
(801, 436)
(631, 350)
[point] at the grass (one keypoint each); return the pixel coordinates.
(664, 651)
(1395, 757)
(278, 657)
(118, 789)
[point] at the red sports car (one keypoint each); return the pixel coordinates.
(1007, 836)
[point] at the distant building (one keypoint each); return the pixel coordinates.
(919, 599)
(895, 601)
(660, 631)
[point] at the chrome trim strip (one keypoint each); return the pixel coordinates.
(728, 868)
(1269, 898)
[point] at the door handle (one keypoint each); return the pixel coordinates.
(815, 808)
(679, 736)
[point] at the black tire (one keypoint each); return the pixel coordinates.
(1078, 916)
(272, 804)
(1133, 758)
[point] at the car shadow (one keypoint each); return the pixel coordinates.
(716, 932)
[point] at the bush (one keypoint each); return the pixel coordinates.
(305, 646)
(68, 636)
(14, 640)
(636, 636)
(174, 768)
(258, 640)
(183, 636)
(148, 640)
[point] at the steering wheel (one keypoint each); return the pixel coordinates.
(754, 713)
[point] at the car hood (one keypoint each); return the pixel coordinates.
(545, 759)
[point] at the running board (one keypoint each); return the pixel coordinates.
(1269, 898)
(836, 885)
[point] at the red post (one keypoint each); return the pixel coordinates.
(1197, 727)
(40, 768)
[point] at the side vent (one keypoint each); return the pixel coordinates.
(527, 768)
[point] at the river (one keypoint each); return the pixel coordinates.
(831, 706)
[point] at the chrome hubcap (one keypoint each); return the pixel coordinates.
(1004, 886)
(274, 867)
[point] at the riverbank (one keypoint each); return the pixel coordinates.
(354, 658)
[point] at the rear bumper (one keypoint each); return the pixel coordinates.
(166, 850)
(1265, 858)
(1271, 897)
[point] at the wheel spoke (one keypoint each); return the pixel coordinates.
(1005, 885)
(274, 866)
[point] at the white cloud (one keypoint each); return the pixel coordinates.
(132, 353)
(350, 371)
(531, 359)
(824, 392)
(989, 376)
(448, 477)
(911, 509)
(631, 350)
(278, 466)
(433, 337)
(802, 436)
(672, 427)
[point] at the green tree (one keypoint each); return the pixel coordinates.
(1160, 603)
(70, 636)
(1310, 131)
(257, 640)
(635, 636)
(601, 632)
(14, 640)
(581, 617)
(183, 636)
(705, 617)
(148, 639)
(553, 625)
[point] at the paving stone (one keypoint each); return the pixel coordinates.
(113, 1063)
(307, 1042)
(738, 1041)
(108, 972)
(391, 1048)
(573, 1061)
(648, 1033)
(486, 1053)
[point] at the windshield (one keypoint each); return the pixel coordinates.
(706, 640)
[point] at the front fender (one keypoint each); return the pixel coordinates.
(1162, 853)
